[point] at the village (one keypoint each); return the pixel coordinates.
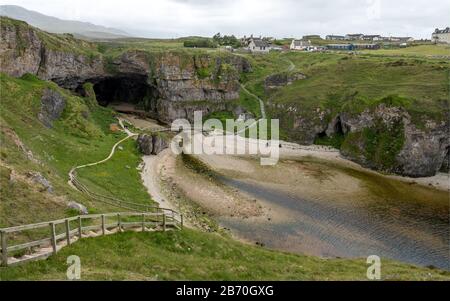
(348, 42)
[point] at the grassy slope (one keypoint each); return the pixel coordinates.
(191, 255)
(419, 50)
(374, 76)
(73, 140)
(182, 255)
(119, 176)
(341, 82)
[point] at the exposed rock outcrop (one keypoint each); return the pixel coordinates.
(384, 138)
(282, 79)
(145, 144)
(38, 178)
(24, 49)
(52, 106)
(151, 144)
(159, 144)
(20, 49)
(81, 209)
(177, 84)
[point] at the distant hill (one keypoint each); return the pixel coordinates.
(55, 25)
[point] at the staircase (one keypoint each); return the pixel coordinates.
(57, 234)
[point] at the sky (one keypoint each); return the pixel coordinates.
(274, 18)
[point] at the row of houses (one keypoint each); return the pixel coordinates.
(356, 42)
(302, 45)
(363, 37)
(262, 45)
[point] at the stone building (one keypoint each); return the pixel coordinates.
(257, 45)
(441, 35)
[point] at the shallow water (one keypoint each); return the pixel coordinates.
(415, 231)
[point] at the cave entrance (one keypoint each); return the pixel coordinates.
(127, 93)
(333, 136)
(338, 128)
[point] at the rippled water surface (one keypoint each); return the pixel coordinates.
(414, 232)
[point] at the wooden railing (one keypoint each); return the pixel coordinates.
(54, 241)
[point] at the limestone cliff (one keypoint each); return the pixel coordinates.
(385, 138)
(183, 83)
(24, 49)
(170, 84)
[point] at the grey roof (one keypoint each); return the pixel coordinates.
(446, 30)
(260, 43)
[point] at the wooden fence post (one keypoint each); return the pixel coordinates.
(143, 222)
(80, 228)
(68, 232)
(164, 222)
(53, 237)
(119, 222)
(4, 250)
(181, 220)
(103, 225)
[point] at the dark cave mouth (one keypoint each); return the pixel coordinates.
(130, 90)
(335, 138)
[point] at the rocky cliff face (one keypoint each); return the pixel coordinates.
(177, 83)
(386, 139)
(185, 83)
(53, 105)
(383, 138)
(20, 50)
(281, 80)
(151, 144)
(24, 49)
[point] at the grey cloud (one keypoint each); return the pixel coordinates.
(279, 18)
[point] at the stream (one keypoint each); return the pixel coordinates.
(400, 231)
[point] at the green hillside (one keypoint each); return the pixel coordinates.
(339, 82)
(83, 135)
(192, 255)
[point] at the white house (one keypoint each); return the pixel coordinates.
(375, 37)
(401, 39)
(354, 36)
(258, 46)
(441, 35)
(300, 45)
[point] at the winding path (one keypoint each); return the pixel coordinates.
(261, 102)
(111, 154)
